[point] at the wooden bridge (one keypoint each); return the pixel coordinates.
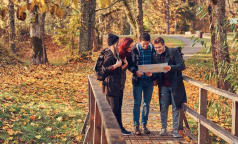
(104, 129)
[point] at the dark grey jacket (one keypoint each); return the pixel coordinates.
(112, 82)
(175, 60)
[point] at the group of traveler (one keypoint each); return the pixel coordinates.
(123, 54)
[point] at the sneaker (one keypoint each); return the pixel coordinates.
(125, 132)
(137, 130)
(163, 132)
(146, 130)
(176, 134)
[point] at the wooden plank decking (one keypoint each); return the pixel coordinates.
(153, 125)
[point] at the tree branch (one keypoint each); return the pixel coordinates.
(108, 6)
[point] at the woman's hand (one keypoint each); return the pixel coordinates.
(117, 64)
(139, 73)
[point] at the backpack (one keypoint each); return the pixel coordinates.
(150, 44)
(98, 67)
(178, 49)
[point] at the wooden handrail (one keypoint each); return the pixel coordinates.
(201, 117)
(227, 136)
(103, 126)
(217, 91)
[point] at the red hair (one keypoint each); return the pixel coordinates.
(124, 44)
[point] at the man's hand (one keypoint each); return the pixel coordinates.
(149, 74)
(155, 82)
(139, 73)
(167, 68)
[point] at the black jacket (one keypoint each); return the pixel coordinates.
(112, 82)
(134, 61)
(175, 60)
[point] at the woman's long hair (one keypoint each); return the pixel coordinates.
(124, 44)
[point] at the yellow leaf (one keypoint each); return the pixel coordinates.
(48, 129)
(59, 119)
(38, 136)
(10, 131)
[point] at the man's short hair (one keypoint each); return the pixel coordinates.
(159, 40)
(145, 37)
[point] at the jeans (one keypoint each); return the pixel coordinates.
(145, 86)
(166, 97)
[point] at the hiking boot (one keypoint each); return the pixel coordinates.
(176, 134)
(125, 132)
(163, 132)
(137, 130)
(146, 130)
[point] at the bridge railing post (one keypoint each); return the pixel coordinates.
(103, 135)
(235, 118)
(97, 126)
(203, 136)
(91, 115)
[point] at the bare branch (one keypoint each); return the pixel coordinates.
(111, 5)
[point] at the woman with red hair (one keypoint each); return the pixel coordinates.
(124, 47)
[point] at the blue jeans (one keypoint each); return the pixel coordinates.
(166, 97)
(145, 86)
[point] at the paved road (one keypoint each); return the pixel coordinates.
(188, 50)
(154, 117)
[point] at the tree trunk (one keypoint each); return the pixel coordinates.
(130, 18)
(87, 26)
(221, 43)
(221, 59)
(167, 16)
(37, 37)
(139, 18)
(98, 40)
(213, 42)
(12, 26)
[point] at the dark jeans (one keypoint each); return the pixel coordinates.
(116, 105)
(145, 87)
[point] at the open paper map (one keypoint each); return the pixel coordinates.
(153, 67)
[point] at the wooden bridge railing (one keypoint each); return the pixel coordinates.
(203, 123)
(103, 126)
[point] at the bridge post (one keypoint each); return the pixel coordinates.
(97, 126)
(234, 118)
(91, 115)
(203, 135)
(103, 135)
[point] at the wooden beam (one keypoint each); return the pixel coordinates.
(97, 126)
(85, 124)
(217, 91)
(218, 131)
(103, 135)
(203, 135)
(111, 126)
(91, 115)
(234, 118)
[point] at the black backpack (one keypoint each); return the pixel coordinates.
(98, 67)
(178, 49)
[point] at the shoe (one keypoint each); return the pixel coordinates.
(125, 132)
(146, 130)
(176, 134)
(137, 130)
(163, 132)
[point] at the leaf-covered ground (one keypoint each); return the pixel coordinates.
(42, 104)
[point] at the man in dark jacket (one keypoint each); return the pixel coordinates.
(142, 54)
(171, 87)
